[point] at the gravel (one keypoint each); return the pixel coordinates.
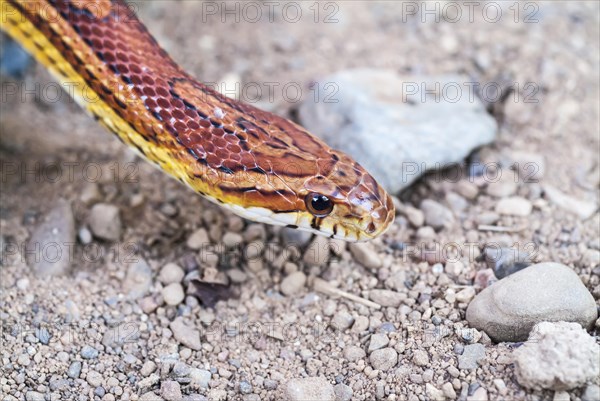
(471, 356)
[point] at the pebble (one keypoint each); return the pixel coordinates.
(384, 359)
(506, 261)
(90, 193)
(591, 393)
(317, 253)
(387, 298)
(51, 242)
(93, 378)
(171, 273)
(514, 206)
(433, 393)
(74, 370)
(245, 387)
(342, 320)
(200, 377)
(467, 189)
(465, 295)
(185, 334)
(138, 280)
(414, 216)
(471, 355)
(292, 237)
(478, 395)
(508, 309)
(378, 341)
(449, 391)
(310, 388)
(293, 283)
(361, 324)
(420, 357)
(34, 396)
(181, 369)
(342, 392)
(231, 239)
(173, 294)
(353, 353)
(531, 166)
(502, 188)
(436, 215)
(105, 221)
(583, 209)
(23, 283)
(198, 239)
(147, 368)
(85, 236)
(416, 131)
(170, 390)
(88, 352)
(365, 255)
(558, 356)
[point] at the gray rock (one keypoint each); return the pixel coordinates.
(342, 320)
(186, 335)
(171, 273)
(591, 393)
(34, 396)
(88, 352)
(200, 377)
(170, 390)
(181, 369)
(93, 378)
(138, 280)
(436, 215)
(414, 131)
(310, 388)
(51, 245)
(365, 255)
(420, 357)
(384, 359)
(506, 261)
(353, 353)
(583, 209)
(342, 392)
(508, 309)
(293, 283)
(387, 298)
(514, 206)
(472, 353)
(173, 294)
(105, 221)
(298, 238)
(317, 253)
(558, 356)
(378, 341)
(74, 370)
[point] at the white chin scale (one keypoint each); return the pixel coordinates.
(264, 215)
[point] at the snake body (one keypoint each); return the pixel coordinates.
(257, 164)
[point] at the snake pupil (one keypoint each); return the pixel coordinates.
(318, 204)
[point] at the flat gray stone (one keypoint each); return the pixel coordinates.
(508, 309)
(310, 388)
(51, 247)
(393, 128)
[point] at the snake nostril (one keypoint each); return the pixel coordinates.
(370, 228)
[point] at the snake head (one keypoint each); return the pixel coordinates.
(346, 204)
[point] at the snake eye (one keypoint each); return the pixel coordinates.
(319, 205)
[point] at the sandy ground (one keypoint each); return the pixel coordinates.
(255, 341)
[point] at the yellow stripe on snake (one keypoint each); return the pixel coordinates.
(254, 163)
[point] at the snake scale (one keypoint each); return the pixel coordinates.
(258, 165)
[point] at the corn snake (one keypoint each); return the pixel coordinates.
(256, 164)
